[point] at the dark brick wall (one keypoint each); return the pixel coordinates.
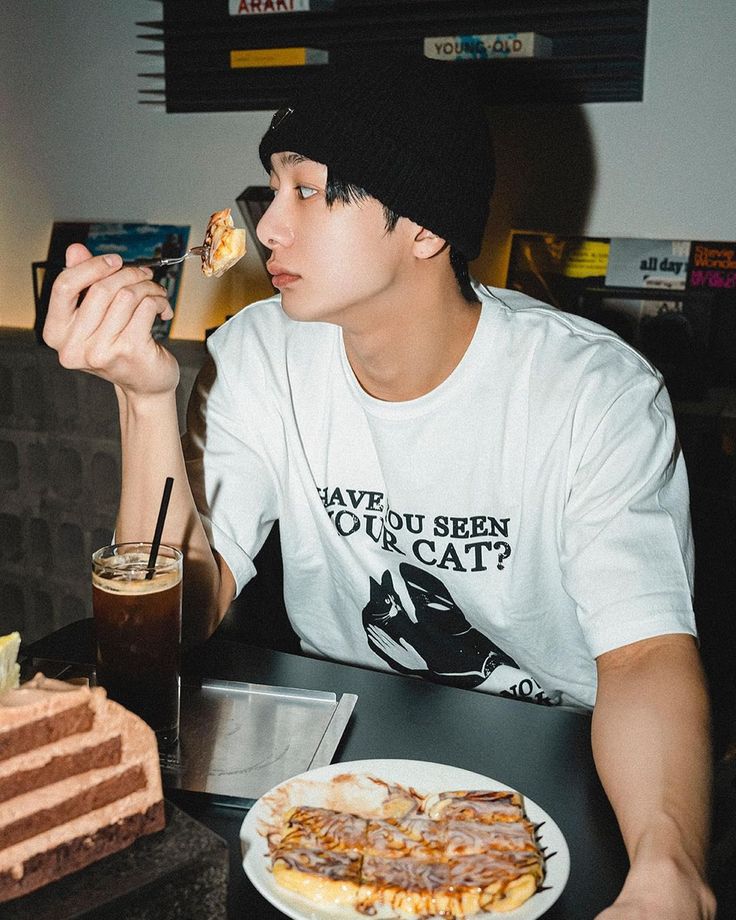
(59, 480)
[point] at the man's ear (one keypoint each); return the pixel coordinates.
(427, 244)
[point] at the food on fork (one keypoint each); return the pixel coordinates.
(459, 854)
(224, 244)
(9, 669)
(79, 780)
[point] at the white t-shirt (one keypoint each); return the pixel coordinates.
(499, 532)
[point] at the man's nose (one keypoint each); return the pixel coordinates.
(274, 228)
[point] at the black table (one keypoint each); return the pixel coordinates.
(543, 752)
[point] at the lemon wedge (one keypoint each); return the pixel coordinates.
(9, 668)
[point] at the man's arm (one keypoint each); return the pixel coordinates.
(651, 743)
(150, 451)
(108, 333)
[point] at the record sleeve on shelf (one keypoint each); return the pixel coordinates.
(660, 296)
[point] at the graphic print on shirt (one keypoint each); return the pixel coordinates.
(436, 640)
(427, 633)
(471, 543)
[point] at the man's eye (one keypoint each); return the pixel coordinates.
(304, 191)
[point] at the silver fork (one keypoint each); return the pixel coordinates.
(160, 263)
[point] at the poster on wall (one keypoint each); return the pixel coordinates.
(133, 241)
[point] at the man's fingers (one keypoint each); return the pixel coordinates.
(76, 253)
(81, 273)
(145, 297)
(94, 342)
(142, 319)
(85, 271)
(100, 317)
(115, 299)
(132, 355)
(65, 308)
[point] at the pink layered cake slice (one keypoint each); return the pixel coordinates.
(79, 780)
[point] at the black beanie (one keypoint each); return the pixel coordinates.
(414, 136)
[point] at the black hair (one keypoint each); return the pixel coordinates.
(349, 193)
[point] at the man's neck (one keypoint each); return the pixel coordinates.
(415, 343)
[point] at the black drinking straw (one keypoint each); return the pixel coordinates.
(164, 507)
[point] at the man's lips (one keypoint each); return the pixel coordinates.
(281, 276)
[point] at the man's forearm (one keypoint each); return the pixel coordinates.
(151, 451)
(651, 743)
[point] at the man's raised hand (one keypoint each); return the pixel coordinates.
(99, 320)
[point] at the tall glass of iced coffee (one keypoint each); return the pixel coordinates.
(137, 613)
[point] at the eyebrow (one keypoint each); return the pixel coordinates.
(292, 159)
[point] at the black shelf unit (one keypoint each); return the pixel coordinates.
(597, 48)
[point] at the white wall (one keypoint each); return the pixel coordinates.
(76, 145)
(80, 147)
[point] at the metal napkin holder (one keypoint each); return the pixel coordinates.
(237, 740)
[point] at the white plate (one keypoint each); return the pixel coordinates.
(312, 788)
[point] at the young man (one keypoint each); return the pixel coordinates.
(471, 486)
